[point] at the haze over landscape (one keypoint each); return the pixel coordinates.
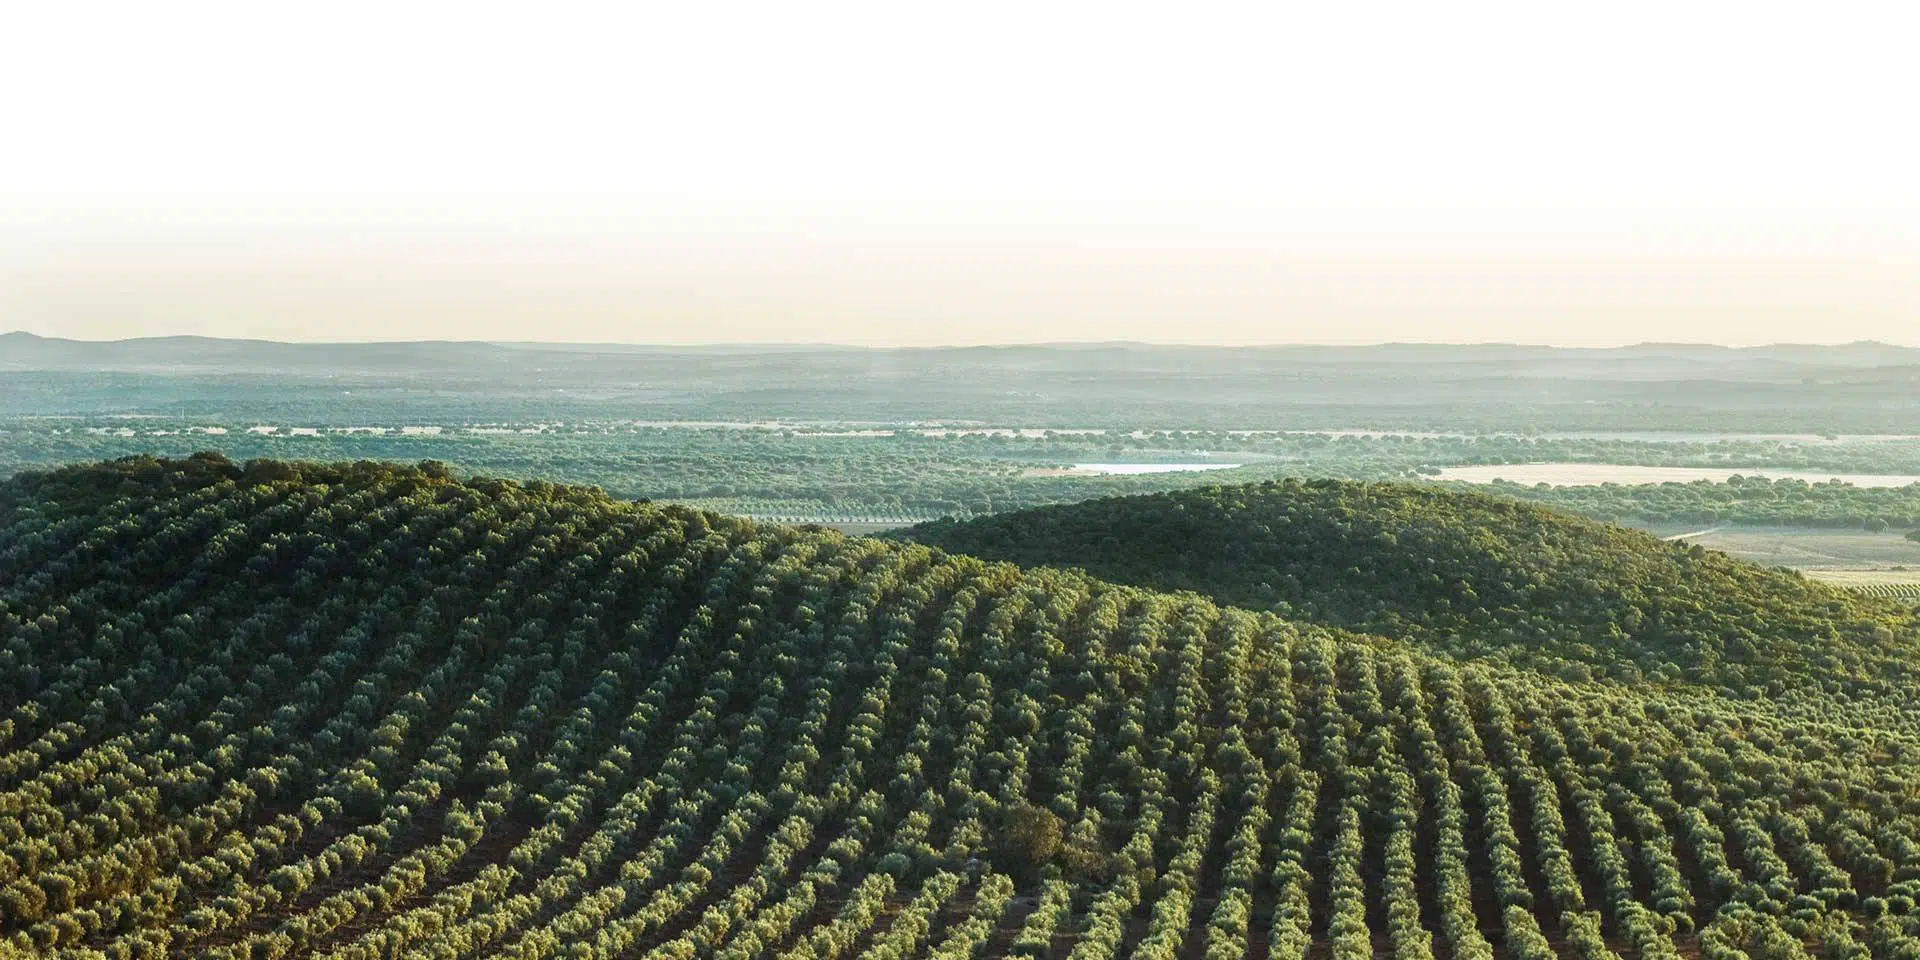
(984, 482)
(864, 174)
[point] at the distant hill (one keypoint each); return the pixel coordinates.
(26, 351)
(366, 710)
(1857, 388)
(1470, 574)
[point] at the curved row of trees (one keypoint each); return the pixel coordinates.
(359, 711)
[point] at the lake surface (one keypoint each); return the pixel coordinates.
(1594, 474)
(1127, 468)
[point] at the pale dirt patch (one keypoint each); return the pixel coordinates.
(1867, 578)
(1809, 550)
(1138, 469)
(1595, 474)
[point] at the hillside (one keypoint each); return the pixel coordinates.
(363, 710)
(1471, 575)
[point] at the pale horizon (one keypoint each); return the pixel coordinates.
(843, 345)
(868, 175)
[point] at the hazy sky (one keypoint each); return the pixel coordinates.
(903, 173)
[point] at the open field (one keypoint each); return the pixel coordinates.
(1594, 474)
(863, 528)
(1902, 585)
(1857, 579)
(1810, 549)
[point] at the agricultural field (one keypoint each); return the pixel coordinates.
(469, 650)
(1806, 549)
(904, 473)
(369, 710)
(1596, 474)
(1898, 583)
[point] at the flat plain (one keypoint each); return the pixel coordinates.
(1811, 549)
(1594, 474)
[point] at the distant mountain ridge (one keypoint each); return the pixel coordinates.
(1854, 388)
(23, 350)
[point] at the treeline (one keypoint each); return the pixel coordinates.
(1755, 501)
(800, 472)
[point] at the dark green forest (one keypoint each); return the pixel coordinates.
(1739, 500)
(274, 709)
(1472, 575)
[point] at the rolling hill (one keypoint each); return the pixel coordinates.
(1470, 574)
(366, 710)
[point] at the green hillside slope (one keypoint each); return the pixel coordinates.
(1472, 575)
(372, 711)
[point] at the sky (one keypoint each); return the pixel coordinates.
(920, 174)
